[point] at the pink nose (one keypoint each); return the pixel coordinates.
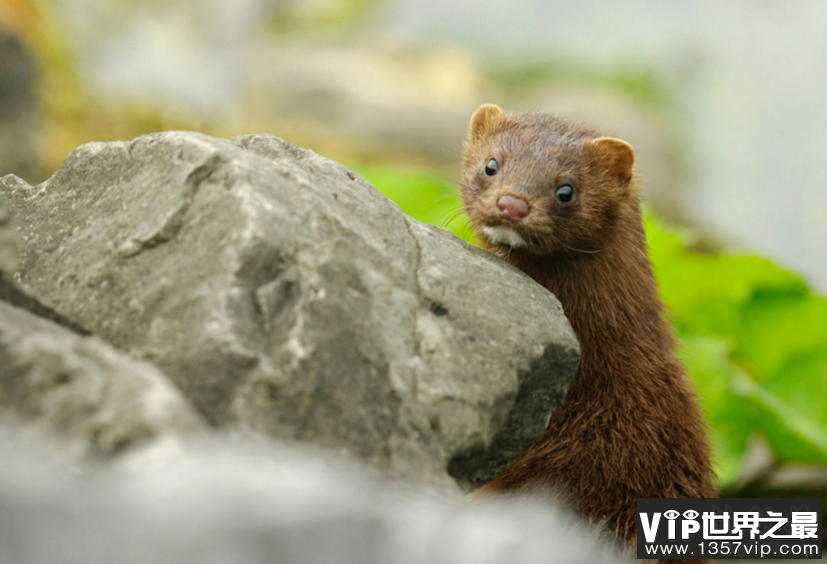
(512, 208)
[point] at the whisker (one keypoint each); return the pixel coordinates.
(445, 197)
(450, 152)
(454, 209)
(562, 244)
(453, 217)
(468, 232)
(458, 183)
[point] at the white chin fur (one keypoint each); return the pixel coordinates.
(504, 236)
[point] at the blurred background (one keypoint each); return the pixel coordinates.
(723, 102)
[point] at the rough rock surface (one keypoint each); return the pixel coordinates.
(284, 294)
(225, 504)
(9, 262)
(9, 241)
(98, 399)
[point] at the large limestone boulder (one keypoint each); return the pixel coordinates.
(283, 294)
(9, 241)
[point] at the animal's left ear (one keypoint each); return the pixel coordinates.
(484, 121)
(615, 155)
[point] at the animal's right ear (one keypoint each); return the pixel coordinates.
(615, 155)
(484, 121)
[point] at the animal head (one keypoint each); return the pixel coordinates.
(534, 183)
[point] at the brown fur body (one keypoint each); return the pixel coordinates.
(630, 426)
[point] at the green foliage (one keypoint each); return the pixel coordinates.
(753, 336)
(427, 197)
(319, 15)
(755, 341)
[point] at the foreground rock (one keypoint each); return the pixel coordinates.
(225, 504)
(99, 400)
(282, 293)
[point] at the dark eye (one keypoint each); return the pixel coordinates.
(492, 168)
(565, 193)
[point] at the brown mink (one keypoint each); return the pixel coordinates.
(560, 202)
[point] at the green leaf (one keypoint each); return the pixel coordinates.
(730, 418)
(425, 197)
(778, 328)
(791, 434)
(707, 293)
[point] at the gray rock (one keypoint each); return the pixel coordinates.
(10, 291)
(284, 294)
(101, 401)
(227, 504)
(9, 241)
